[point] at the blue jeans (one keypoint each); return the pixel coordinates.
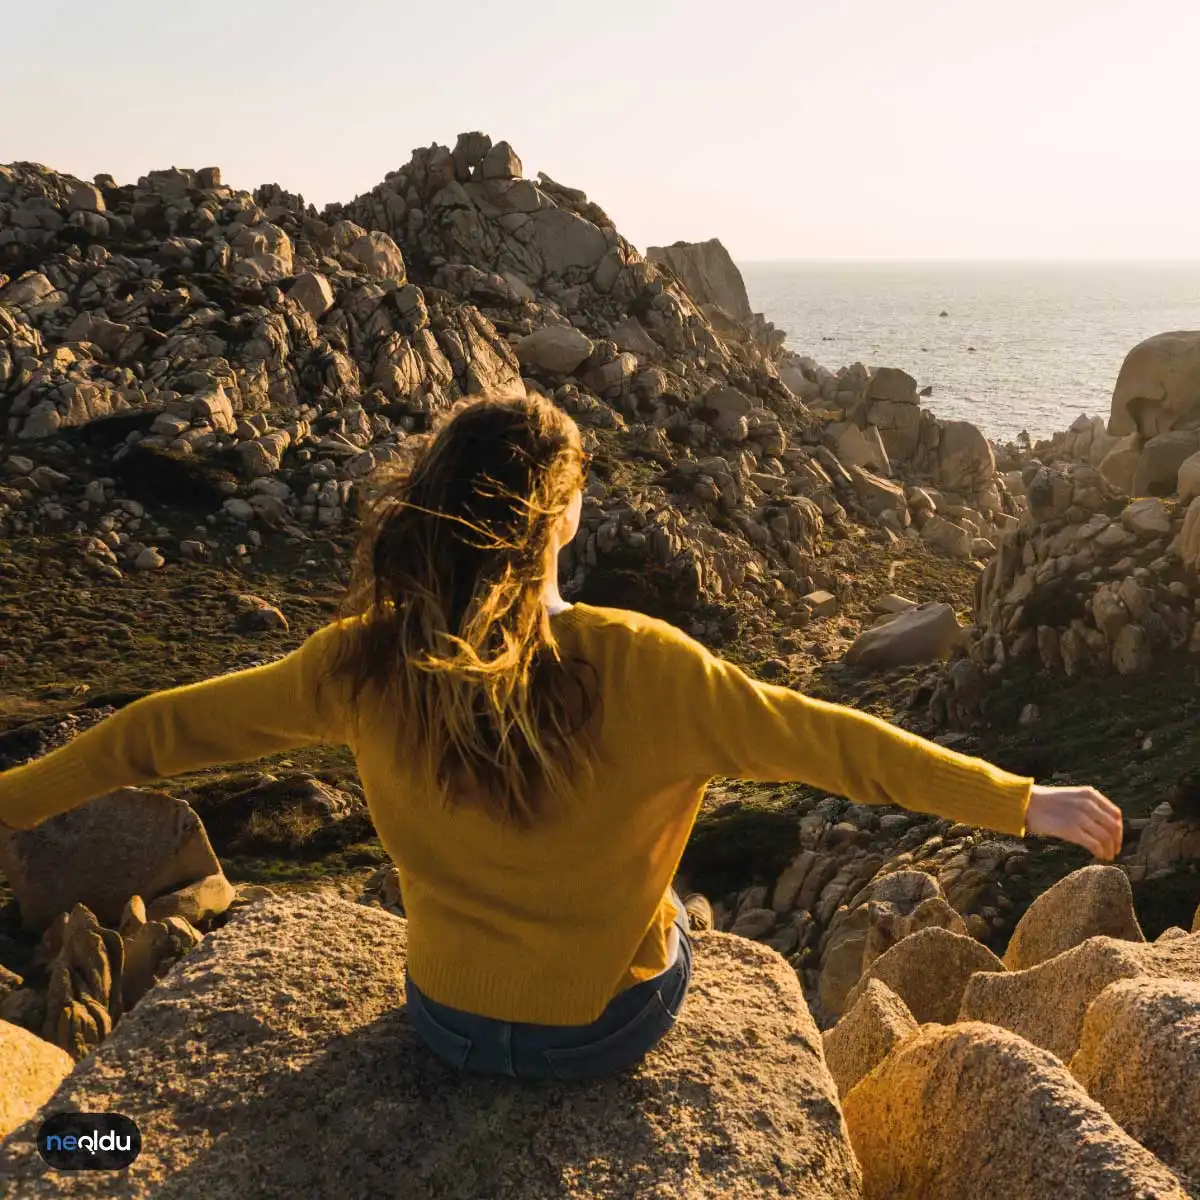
(634, 1021)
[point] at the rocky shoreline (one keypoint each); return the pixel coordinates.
(197, 388)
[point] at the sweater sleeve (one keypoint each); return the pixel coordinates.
(229, 719)
(725, 723)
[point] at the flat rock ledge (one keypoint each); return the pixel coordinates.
(276, 1060)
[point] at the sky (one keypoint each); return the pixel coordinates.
(790, 129)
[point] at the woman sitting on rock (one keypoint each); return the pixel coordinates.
(533, 767)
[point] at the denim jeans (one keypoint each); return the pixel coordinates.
(634, 1021)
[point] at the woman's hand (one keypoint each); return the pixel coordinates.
(1076, 814)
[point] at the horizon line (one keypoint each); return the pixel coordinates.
(971, 261)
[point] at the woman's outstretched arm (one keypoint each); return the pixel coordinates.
(232, 718)
(730, 725)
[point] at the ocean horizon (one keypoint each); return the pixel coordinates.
(1023, 345)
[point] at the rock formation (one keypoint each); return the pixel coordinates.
(284, 1039)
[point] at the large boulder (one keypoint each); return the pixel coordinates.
(1140, 1058)
(558, 349)
(965, 462)
(864, 1037)
(131, 842)
(379, 256)
(893, 386)
(972, 1112)
(1046, 1004)
(1158, 388)
(1094, 901)
(929, 971)
(946, 537)
(1158, 467)
(1187, 479)
(708, 273)
(921, 634)
(282, 1041)
(878, 495)
(30, 1072)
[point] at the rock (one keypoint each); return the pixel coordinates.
(1139, 1057)
(313, 292)
(298, 1000)
(708, 273)
(1132, 652)
(921, 634)
(754, 923)
(854, 448)
(1119, 466)
(128, 842)
(33, 1069)
(1158, 387)
(864, 1037)
(501, 162)
(1187, 481)
(891, 896)
(946, 537)
(876, 495)
(929, 971)
(1161, 460)
(975, 1113)
(565, 240)
(256, 615)
(151, 949)
(1187, 546)
(379, 256)
(83, 1000)
(894, 386)
(965, 459)
(149, 560)
(1046, 1004)
(195, 902)
(559, 349)
(1146, 518)
(821, 604)
(10, 981)
(1093, 901)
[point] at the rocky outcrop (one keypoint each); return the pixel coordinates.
(33, 1069)
(1047, 1004)
(1158, 388)
(929, 970)
(1094, 902)
(298, 1004)
(876, 1022)
(126, 843)
(972, 1112)
(709, 274)
(1138, 1058)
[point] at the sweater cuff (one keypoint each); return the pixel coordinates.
(975, 793)
(48, 786)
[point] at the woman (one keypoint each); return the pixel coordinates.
(534, 768)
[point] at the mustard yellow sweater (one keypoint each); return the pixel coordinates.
(542, 925)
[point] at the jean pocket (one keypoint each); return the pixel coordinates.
(616, 1051)
(452, 1048)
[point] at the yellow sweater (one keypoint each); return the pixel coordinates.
(543, 925)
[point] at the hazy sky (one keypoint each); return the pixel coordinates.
(800, 129)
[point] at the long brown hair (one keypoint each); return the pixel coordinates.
(449, 576)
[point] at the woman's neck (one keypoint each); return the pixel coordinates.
(552, 598)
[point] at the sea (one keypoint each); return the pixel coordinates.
(1010, 346)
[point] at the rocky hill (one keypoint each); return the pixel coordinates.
(197, 386)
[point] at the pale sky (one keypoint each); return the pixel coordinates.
(806, 129)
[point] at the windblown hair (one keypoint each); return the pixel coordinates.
(449, 577)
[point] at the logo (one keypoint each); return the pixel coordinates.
(89, 1141)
